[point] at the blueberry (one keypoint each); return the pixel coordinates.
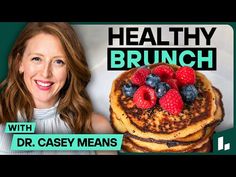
(129, 89)
(189, 93)
(152, 80)
(161, 89)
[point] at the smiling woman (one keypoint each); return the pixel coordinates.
(46, 84)
(45, 71)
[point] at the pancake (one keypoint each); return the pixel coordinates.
(120, 127)
(197, 142)
(156, 130)
(116, 123)
(207, 147)
(218, 116)
(219, 113)
(203, 146)
(181, 147)
(156, 122)
(128, 146)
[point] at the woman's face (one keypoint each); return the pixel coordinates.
(44, 69)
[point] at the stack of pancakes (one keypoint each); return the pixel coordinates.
(155, 130)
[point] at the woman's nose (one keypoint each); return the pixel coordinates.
(47, 70)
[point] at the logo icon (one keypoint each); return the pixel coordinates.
(221, 145)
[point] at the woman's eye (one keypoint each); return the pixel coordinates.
(59, 62)
(36, 59)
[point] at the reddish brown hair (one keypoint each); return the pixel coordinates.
(75, 107)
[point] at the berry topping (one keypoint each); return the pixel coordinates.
(164, 72)
(185, 76)
(161, 89)
(189, 93)
(139, 77)
(173, 83)
(172, 102)
(145, 97)
(152, 80)
(129, 89)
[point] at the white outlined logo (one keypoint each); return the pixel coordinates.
(221, 145)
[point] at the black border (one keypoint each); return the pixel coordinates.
(118, 11)
(124, 162)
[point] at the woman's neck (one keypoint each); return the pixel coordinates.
(45, 105)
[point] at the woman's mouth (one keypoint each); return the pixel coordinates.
(44, 85)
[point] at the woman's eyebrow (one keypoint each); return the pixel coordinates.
(39, 54)
(59, 56)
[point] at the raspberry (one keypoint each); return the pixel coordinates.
(173, 83)
(139, 77)
(164, 72)
(145, 97)
(172, 102)
(185, 76)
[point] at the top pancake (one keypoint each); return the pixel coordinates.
(156, 122)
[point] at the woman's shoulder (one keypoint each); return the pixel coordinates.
(101, 124)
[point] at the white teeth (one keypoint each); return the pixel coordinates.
(43, 84)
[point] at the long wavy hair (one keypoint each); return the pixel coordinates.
(75, 106)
